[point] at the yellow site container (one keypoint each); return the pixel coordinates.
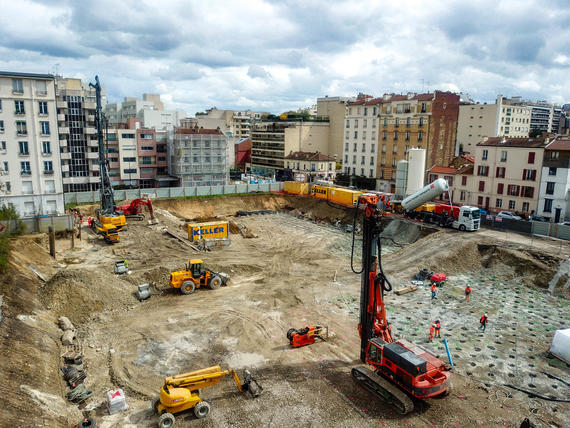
(344, 196)
(296, 187)
(321, 192)
(205, 231)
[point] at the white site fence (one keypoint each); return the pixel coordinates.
(173, 192)
(39, 224)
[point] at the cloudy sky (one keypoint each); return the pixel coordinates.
(276, 55)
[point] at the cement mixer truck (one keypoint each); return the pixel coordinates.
(416, 206)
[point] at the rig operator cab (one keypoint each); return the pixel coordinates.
(469, 219)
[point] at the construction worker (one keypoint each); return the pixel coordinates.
(437, 329)
(467, 292)
(433, 291)
(431, 331)
(483, 322)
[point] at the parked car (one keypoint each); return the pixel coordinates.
(483, 212)
(537, 218)
(565, 223)
(509, 215)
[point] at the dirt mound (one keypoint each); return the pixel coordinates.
(77, 294)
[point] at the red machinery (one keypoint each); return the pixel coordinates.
(307, 335)
(439, 279)
(396, 370)
(134, 209)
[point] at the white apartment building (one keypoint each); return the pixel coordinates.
(79, 147)
(233, 123)
(29, 144)
(150, 109)
(199, 156)
(361, 137)
(513, 118)
(317, 165)
(554, 194)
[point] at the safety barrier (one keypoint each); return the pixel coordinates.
(532, 227)
(38, 224)
(173, 192)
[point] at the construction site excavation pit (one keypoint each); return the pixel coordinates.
(294, 272)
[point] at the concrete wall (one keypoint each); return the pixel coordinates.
(38, 224)
(335, 109)
(307, 137)
(476, 121)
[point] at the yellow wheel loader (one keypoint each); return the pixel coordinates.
(195, 275)
(182, 392)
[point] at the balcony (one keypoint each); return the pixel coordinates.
(90, 118)
(22, 133)
(63, 131)
(90, 131)
(23, 154)
(61, 117)
(90, 105)
(18, 91)
(65, 155)
(20, 112)
(94, 143)
(48, 172)
(92, 155)
(25, 172)
(46, 154)
(61, 104)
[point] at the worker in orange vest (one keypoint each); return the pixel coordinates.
(437, 329)
(483, 322)
(431, 331)
(467, 292)
(433, 291)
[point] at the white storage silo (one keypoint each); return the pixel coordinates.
(416, 170)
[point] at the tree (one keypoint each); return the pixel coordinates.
(535, 133)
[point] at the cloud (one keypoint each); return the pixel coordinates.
(276, 55)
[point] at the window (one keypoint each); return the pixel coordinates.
(374, 113)
(385, 122)
(129, 159)
(420, 136)
(394, 163)
(500, 187)
(399, 108)
(362, 172)
(6, 166)
(347, 135)
(527, 191)
(45, 128)
(354, 149)
(554, 155)
(406, 149)
(23, 147)
(421, 121)
(130, 148)
(7, 187)
(17, 86)
(363, 147)
(485, 154)
(395, 149)
(483, 171)
(146, 136)
(529, 174)
(128, 135)
(513, 190)
(1, 126)
(383, 162)
(25, 168)
(462, 195)
(525, 207)
(480, 200)
(407, 135)
(347, 123)
(21, 127)
(48, 167)
(130, 171)
(498, 203)
(449, 179)
(0, 105)
(46, 147)
(345, 158)
(408, 122)
(362, 161)
(355, 134)
(346, 147)
(500, 172)
(531, 157)
(550, 188)
(381, 173)
(481, 186)
(464, 180)
(371, 161)
(354, 159)
(312, 167)
(503, 156)
(512, 205)
(424, 107)
(383, 134)
(397, 123)
(43, 107)
(372, 147)
(365, 124)
(371, 175)
(19, 107)
(395, 135)
(547, 205)
(41, 87)
(356, 123)
(383, 148)
(147, 148)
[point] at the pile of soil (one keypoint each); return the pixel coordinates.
(78, 294)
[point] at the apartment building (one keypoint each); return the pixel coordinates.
(199, 156)
(79, 147)
(29, 149)
(476, 121)
(459, 177)
(554, 194)
(315, 164)
(272, 140)
(513, 117)
(334, 108)
(232, 123)
(508, 173)
(150, 110)
(361, 136)
(425, 121)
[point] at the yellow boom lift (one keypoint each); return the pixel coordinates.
(182, 392)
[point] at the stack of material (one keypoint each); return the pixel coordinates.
(116, 401)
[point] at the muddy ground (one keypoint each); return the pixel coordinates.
(296, 272)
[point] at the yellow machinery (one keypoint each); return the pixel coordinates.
(195, 275)
(182, 392)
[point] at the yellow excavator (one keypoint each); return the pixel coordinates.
(108, 221)
(182, 392)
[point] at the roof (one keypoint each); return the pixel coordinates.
(470, 158)
(309, 156)
(243, 145)
(29, 75)
(465, 169)
(375, 101)
(559, 144)
(442, 170)
(198, 131)
(423, 97)
(514, 142)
